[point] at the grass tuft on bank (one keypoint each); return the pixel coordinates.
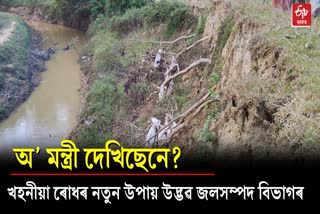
(26, 2)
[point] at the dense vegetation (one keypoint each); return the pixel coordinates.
(115, 22)
(107, 102)
(14, 51)
(26, 2)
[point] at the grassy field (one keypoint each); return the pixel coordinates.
(26, 2)
(15, 50)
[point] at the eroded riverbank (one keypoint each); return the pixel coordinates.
(51, 111)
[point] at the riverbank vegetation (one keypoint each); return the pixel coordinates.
(13, 51)
(32, 3)
(259, 88)
(116, 51)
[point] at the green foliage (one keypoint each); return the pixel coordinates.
(143, 122)
(67, 9)
(175, 13)
(180, 17)
(97, 7)
(88, 135)
(201, 25)
(94, 8)
(223, 35)
(106, 101)
(116, 7)
(103, 101)
(26, 2)
(15, 50)
(181, 96)
(2, 80)
(138, 92)
(214, 78)
(127, 22)
(205, 134)
(159, 12)
(106, 52)
(2, 112)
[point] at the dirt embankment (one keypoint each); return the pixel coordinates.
(247, 67)
(43, 14)
(18, 85)
(253, 73)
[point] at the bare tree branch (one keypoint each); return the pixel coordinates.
(198, 106)
(191, 46)
(164, 42)
(200, 61)
(183, 124)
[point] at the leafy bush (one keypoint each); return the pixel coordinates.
(106, 52)
(26, 2)
(138, 92)
(201, 25)
(127, 22)
(175, 13)
(89, 135)
(206, 135)
(2, 80)
(116, 7)
(2, 112)
(71, 9)
(103, 101)
(180, 17)
(15, 50)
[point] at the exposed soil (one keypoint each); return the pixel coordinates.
(18, 86)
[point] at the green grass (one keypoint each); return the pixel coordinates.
(2, 112)
(27, 2)
(15, 50)
(103, 101)
(112, 42)
(201, 25)
(207, 136)
(175, 15)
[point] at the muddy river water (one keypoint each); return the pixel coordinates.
(51, 111)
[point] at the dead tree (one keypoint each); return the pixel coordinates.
(182, 121)
(162, 133)
(166, 84)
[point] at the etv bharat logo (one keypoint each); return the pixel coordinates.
(301, 15)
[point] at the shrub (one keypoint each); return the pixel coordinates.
(201, 25)
(106, 52)
(180, 17)
(2, 112)
(116, 7)
(15, 50)
(175, 13)
(138, 92)
(89, 135)
(2, 79)
(127, 22)
(103, 101)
